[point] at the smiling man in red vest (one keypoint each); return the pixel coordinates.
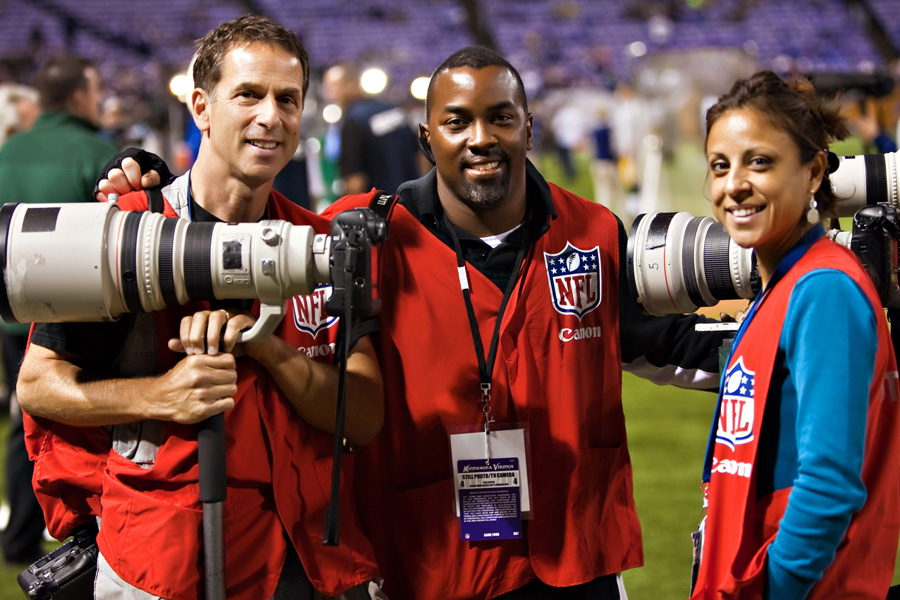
(139, 475)
(503, 468)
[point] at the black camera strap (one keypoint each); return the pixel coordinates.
(155, 201)
(382, 204)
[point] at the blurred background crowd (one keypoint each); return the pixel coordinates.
(619, 87)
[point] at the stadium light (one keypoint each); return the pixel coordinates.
(637, 49)
(331, 113)
(373, 81)
(180, 86)
(419, 87)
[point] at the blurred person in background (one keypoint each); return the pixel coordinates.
(865, 124)
(120, 122)
(568, 137)
(57, 160)
(801, 472)
(608, 189)
(631, 124)
(19, 109)
(293, 179)
(378, 147)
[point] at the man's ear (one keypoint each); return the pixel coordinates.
(424, 144)
(200, 103)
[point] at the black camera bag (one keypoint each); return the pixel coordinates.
(68, 572)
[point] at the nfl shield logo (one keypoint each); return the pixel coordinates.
(574, 277)
(309, 311)
(736, 414)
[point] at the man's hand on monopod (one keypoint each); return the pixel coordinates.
(196, 388)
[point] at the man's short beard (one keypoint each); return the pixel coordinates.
(485, 196)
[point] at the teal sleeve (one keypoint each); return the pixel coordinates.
(829, 342)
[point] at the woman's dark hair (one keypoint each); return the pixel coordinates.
(793, 107)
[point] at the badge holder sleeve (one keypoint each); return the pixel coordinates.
(486, 461)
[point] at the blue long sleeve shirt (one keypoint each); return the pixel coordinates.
(813, 433)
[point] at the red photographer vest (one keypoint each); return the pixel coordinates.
(279, 476)
(739, 529)
(558, 369)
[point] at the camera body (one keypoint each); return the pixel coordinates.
(355, 235)
(677, 263)
(874, 240)
(68, 572)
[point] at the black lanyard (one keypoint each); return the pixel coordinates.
(485, 367)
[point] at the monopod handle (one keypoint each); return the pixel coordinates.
(211, 458)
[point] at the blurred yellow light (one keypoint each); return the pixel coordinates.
(419, 87)
(331, 113)
(373, 81)
(180, 86)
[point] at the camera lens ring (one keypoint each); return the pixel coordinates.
(128, 262)
(691, 282)
(630, 254)
(197, 272)
(165, 261)
(717, 263)
(6, 213)
(876, 178)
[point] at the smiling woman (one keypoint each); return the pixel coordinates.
(783, 513)
(760, 189)
(765, 147)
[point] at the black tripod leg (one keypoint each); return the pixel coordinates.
(211, 459)
(332, 513)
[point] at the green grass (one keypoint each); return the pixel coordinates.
(667, 433)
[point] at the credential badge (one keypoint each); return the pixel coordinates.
(574, 277)
(736, 414)
(309, 311)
